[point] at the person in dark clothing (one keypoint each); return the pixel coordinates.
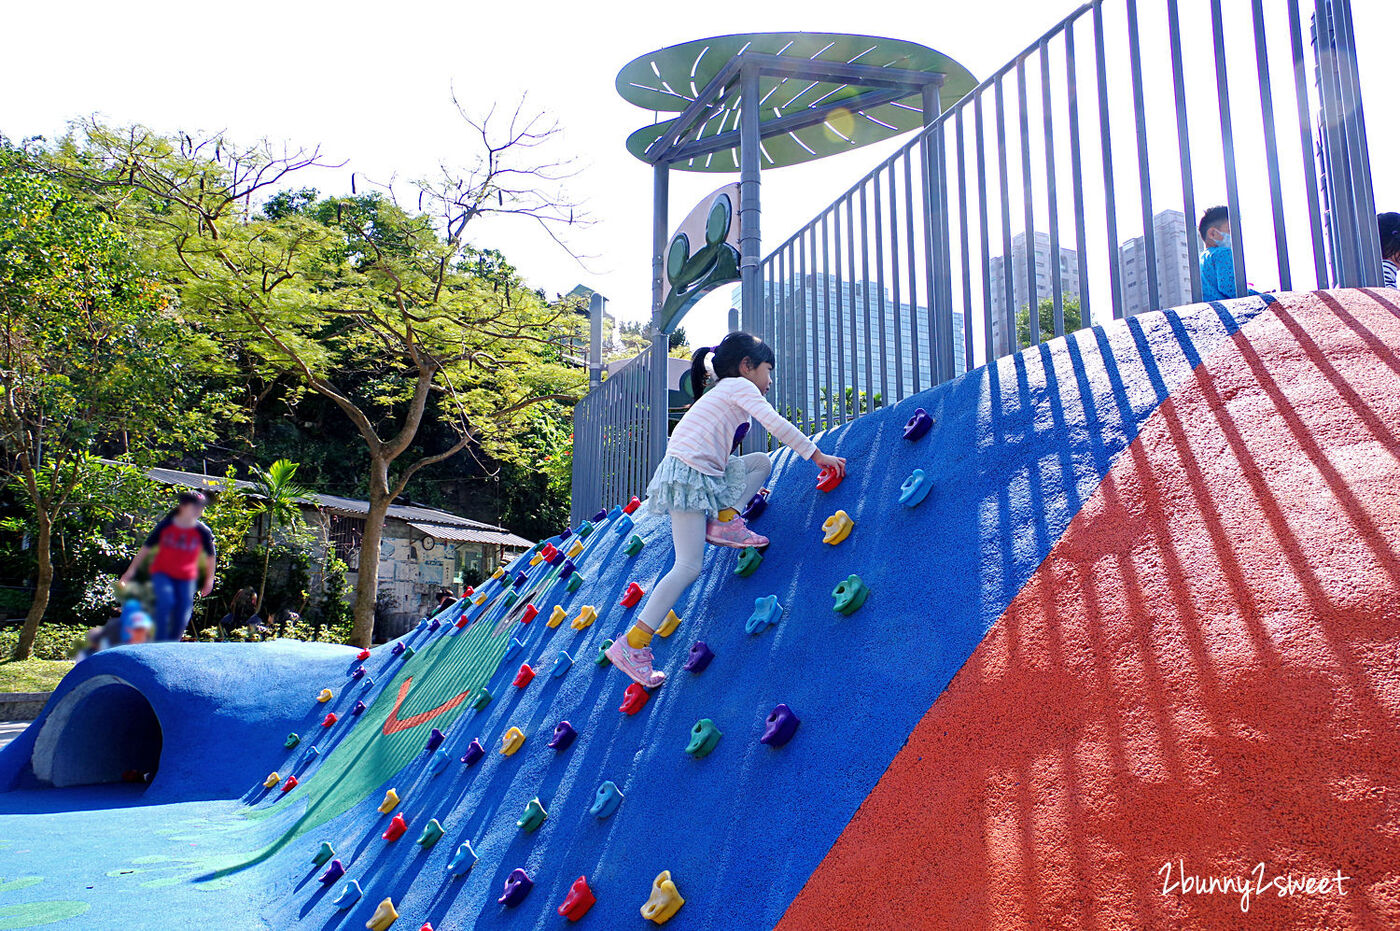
(182, 544)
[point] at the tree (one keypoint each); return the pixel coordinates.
(277, 496)
(1070, 307)
(92, 357)
(383, 311)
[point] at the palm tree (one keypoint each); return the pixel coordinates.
(277, 495)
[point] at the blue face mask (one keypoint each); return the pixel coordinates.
(1224, 242)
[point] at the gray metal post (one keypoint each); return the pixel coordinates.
(657, 414)
(750, 273)
(733, 319)
(939, 252)
(596, 303)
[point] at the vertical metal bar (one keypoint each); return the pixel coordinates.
(1010, 338)
(880, 286)
(1149, 231)
(1227, 141)
(806, 307)
(841, 376)
(895, 281)
(1300, 89)
(1077, 179)
(931, 208)
(941, 276)
(988, 303)
(913, 271)
(826, 327)
(964, 250)
(1266, 104)
(1183, 142)
(654, 432)
(1361, 191)
(851, 285)
(1115, 269)
(869, 346)
(749, 212)
(1057, 295)
(1028, 194)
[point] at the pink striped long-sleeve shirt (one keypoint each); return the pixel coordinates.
(703, 438)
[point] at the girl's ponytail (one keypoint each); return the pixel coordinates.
(698, 374)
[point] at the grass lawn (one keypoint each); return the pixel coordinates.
(32, 675)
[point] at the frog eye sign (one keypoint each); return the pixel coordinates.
(702, 255)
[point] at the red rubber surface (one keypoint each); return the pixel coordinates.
(1205, 669)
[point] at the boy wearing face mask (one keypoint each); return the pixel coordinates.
(1218, 262)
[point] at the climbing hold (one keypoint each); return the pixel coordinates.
(585, 528)
(332, 873)
(500, 571)
(362, 655)
(369, 681)
(828, 478)
(396, 649)
(422, 623)
(633, 698)
(575, 581)
(749, 560)
(549, 553)
(468, 592)
(779, 727)
(325, 696)
(438, 762)
(433, 625)
(520, 579)
(523, 677)
(849, 595)
(475, 751)
(509, 598)
(329, 719)
(915, 489)
(567, 567)
(766, 613)
(482, 699)
(384, 916)
(918, 425)
(564, 735)
(271, 781)
(313, 752)
(634, 545)
(408, 652)
(534, 817)
(391, 801)
(291, 741)
(357, 709)
(575, 549)
(432, 833)
(755, 507)
(703, 737)
(463, 860)
(511, 741)
(289, 784)
(358, 674)
(562, 662)
(669, 625)
(624, 524)
(565, 534)
(665, 899)
(518, 886)
(556, 617)
(602, 659)
(585, 618)
(479, 600)
(529, 615)
(514, 647)
(700, 656)
(397, 825)
(580, 898)
(631, 506)
(348, 895)
(601, 516)
(435, 739)
(837, 527)
(535, 560)
(605, 800)
(633, 595)
(324, 854)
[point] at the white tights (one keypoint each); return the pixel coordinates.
(688, 538)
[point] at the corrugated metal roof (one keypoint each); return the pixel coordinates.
(472, 535)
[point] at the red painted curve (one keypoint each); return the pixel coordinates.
(1204, 670)
(393, 724)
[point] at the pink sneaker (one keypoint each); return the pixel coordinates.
(634, 662)
(733, 533)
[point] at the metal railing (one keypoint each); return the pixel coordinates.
(612, 438)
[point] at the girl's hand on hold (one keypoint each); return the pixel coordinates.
(830, 462)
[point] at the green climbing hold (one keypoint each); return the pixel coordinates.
(634, 545)
(408, 652)
(749, 560)
(534, 817)
(850, 595)
(323, 856)
(432, 833)
(509, 599)
(291, 741)
(584, 529)
(575, 581)
(703, 738)
(602, 659)
(482, 699)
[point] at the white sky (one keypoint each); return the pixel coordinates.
(370, 84)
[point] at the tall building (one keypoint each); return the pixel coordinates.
(1169, 232)
(1044, 282)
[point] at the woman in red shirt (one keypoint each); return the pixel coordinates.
(179, 540)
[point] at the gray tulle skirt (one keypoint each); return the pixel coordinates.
(678, 487)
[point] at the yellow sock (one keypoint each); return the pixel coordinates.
(726, 515)
(638, 636)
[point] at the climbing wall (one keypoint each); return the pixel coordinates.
(1125, 598)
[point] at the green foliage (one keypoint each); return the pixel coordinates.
(1070, 306)
(54, 641)
(276, 495)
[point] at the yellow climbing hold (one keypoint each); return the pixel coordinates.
(391, 801)
(536, 559)
(480, 599)
(384, 915)
(512, 741)
(837, 527)
(665, 899)
(325, 696)
(575, 549)
(585, 618)
(556, 617)
(668, 626)
(500, 571)
(271, 780)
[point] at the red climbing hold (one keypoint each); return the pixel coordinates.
(580, 898)
(329, 719)
(632, 596)
(396, 828)
(463, 621)
(529, 615)
(631, 506)
(828, 479)
(523, 677)
(468, 592)
(427, 926)
(362, 655)
(633, 699)
(290, 784)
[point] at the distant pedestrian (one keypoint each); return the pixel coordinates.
(1218, 262)
(182, 543)
(1389, 224)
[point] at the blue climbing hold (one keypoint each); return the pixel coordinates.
(561, 664)
(518, 886)
(564, 735)
(615, 513)
(766, 613)
(700, 656)
(349, 894)
(515, 647)
(624, 524)
(462, 861)
(918, 425)
(915, 489)
(435, 739)
(438, 762)
(779, 727)
(605, 800)
(475, 751)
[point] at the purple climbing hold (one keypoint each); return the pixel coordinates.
(918, 425)
(520, 579)
(359, 673)
(396, 649)
(475, 751)
(567, 569)
(740, 432)
(518, 886)
(700, 656)
(358, 709)
(565, 534)
(435, 739)
(332, 873)
(780, 726)
(564, 735)
(755, 507)
(601, 515)
(433, 625)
